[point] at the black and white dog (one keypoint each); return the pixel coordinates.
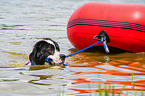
(46, 48)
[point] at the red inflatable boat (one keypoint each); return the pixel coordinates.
(122, 24)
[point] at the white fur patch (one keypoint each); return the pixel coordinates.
(50, 42)
(55, 57)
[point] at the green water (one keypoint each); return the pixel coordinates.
(23, 22)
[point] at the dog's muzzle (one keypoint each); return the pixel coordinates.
(56, 59)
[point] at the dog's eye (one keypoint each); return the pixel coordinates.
(50, 51)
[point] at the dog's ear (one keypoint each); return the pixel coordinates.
(32, 59)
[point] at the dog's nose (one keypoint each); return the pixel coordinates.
(62, 57)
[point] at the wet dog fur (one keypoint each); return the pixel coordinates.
(46, 48)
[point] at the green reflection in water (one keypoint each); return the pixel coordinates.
(41, 77)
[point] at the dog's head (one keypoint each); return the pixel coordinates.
(46, 49)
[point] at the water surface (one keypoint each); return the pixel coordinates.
(23, 22)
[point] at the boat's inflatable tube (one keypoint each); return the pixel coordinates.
(124, 24)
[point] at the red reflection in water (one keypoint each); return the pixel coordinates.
(138, 85)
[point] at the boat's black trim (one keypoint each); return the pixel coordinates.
(106, 23)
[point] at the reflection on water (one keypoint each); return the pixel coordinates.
(23, 22)
(112, 69)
